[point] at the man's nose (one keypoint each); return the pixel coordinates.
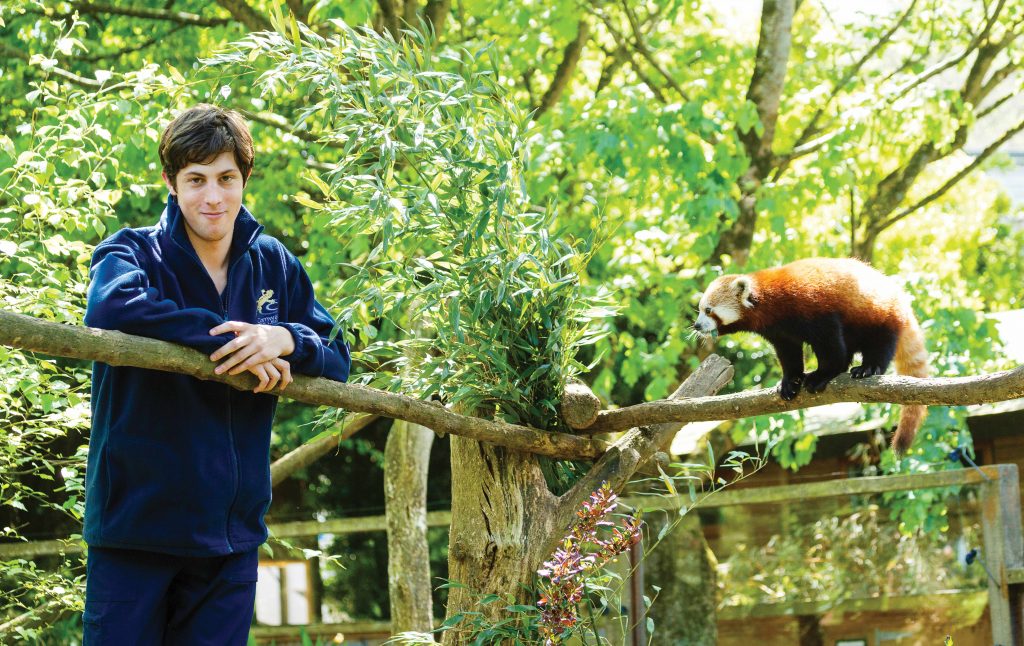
(214, 195)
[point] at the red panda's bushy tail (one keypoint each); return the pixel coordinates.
(911, 360)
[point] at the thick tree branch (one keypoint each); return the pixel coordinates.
(947, 391)
(116, 348)
(953, 181)
(768, 79)
(180, 17)
(436, 13)
(119, 349)
(243, 13)
(566, 68)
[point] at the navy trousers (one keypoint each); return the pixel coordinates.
(145, 598)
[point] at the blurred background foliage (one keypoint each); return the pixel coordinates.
(625, 139)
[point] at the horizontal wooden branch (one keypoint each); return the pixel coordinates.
(119, 349)
(947, 391)
(116, 348)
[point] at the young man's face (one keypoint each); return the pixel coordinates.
(210, 197)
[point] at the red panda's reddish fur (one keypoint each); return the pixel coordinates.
(861, 295)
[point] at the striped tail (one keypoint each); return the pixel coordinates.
(911, 360)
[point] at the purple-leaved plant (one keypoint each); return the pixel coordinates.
(592, 542)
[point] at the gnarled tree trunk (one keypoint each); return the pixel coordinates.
(502, 518)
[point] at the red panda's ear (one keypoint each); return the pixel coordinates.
(743, 291)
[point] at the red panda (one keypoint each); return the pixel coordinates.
(838, 306)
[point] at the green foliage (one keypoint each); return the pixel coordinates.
(429, 189)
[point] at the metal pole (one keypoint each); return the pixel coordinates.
(637, 608)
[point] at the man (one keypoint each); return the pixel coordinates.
(178, 478)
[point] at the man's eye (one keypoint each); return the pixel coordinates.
(228, 179)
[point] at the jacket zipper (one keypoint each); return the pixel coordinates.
(231, 433)
(233, 453)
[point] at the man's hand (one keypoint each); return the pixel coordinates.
(271, 373)
(252, 346)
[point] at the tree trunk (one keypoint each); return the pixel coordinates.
(502, 517)
(683, 566)
(406, 456)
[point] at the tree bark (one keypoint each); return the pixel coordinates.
(436, 13)
(241, 11)
(406, 456)
(502, 520)
(566, 68)
(765, 92)
(683, 567)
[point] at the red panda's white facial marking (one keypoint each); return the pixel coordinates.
(722, 303)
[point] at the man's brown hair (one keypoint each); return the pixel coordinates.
(199, 134)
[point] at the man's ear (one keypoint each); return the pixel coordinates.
(744, 290)
(170, 186)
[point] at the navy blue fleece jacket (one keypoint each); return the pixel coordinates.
(179, 465)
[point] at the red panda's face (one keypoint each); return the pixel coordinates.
(723, 303)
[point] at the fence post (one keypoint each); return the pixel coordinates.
(1003, 551)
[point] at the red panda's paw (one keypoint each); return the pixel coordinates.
(789, 387)
(816, 381)
(859, 372)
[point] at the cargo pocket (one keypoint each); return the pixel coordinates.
(242, 568)
(101, 620)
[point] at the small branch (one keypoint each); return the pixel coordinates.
(992, 107)
(641, 47)
(953, 181)
(938, 68)
(305, 455)
(998, 77)
(615, 60)
(848, 76)
(94, 58)
(624, 43)
(82, 81)
(282, 124)
(783, 162)
(640, 445)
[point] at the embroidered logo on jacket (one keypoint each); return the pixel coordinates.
(266, 308)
